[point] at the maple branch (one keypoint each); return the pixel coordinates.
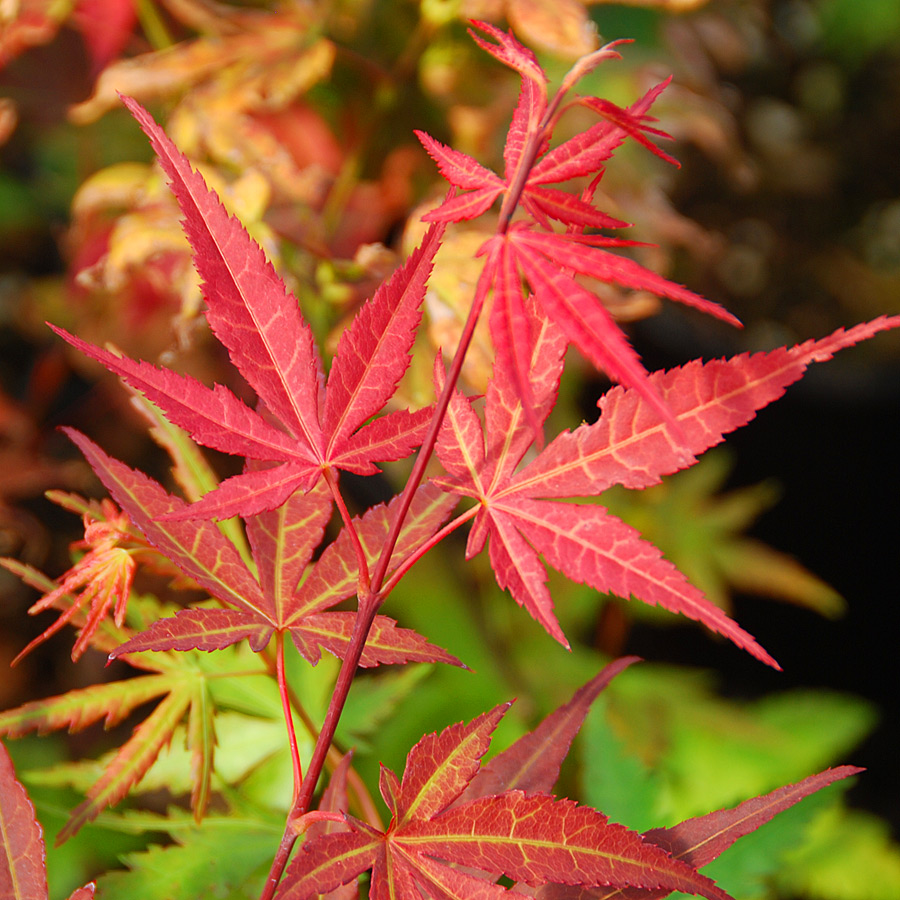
(428, 444)
(370, 600)
(286, 706)
(366, 805)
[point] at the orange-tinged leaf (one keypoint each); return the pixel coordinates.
(284, 540)
(200, 629)
(23, 871)
(632, 446)
(439, 767)
(701, 840)
(323, 864)
(200, 550)
(82, 707)
(629, 445)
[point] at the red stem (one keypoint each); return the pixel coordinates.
(427, 448)
(420, 551)
(288, 716)
(361, 560)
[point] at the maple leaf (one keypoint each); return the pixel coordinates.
(534, 838)
(183, 691)
(628, 445)
(104, 576)
(23, 870)
(251, 312)
(549, 261)
(283, 542)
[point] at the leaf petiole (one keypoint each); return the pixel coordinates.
(288, 716)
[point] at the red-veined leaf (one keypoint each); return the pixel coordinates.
(215, 417)
(460, 445)
(529, 838)
(284, 540)
(200, 629)
(84, 893)
(537, 838)
(389, 437)
(588, 324)
(628, 445)
(701, 840)
(323, 864)
(591, 546)
(507, 439)
(511, 328)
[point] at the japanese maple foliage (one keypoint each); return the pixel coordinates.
(456, 826)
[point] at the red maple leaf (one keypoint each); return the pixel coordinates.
(701, 840)
(520, 512)
(547, 260)
(251, 312)
(456, 826)
(23, 868)
(439, 844)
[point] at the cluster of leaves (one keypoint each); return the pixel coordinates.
(456, 826)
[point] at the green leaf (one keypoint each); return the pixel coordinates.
(222, 859)
(374, 699)
(848, 855)
(614, 780)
